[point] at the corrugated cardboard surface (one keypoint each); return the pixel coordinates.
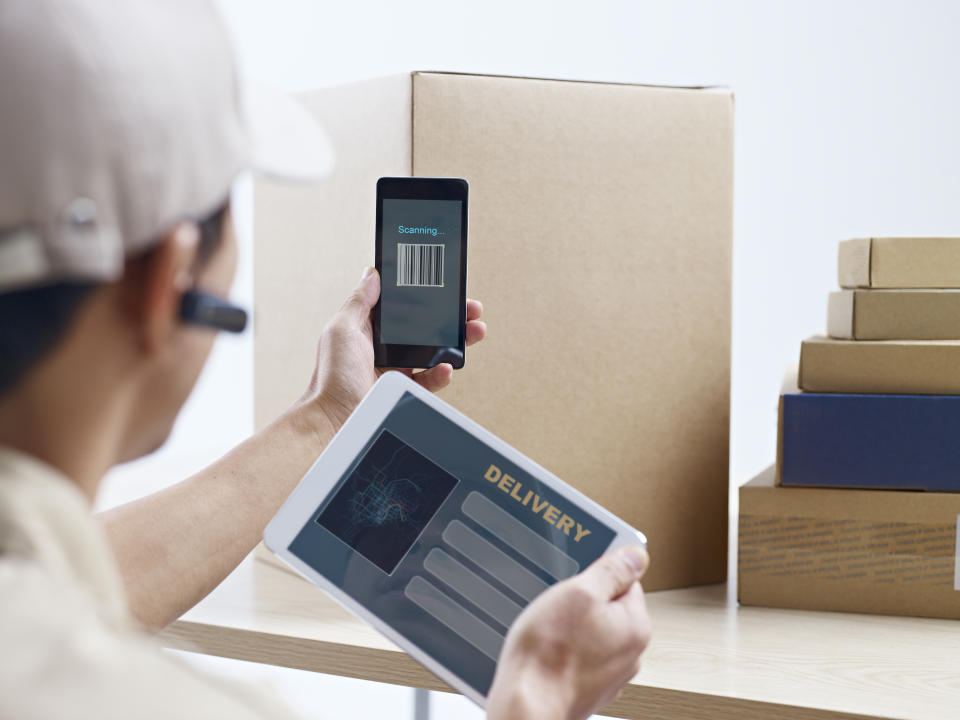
(876, 551)
(900, 262)
(894, 315)
(894, 367)
(600, 244)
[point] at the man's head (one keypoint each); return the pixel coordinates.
(121, 343)
(122, 128)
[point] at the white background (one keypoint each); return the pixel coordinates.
(847, 124)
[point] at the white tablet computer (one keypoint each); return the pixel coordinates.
(435, 531)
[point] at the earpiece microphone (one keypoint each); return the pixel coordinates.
(200, 308)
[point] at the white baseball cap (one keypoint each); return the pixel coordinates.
(119, 118)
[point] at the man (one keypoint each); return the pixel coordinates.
(121, 130)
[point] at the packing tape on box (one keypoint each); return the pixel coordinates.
(855, 553)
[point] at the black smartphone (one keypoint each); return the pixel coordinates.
(421, 255)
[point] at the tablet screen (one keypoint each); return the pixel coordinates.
(445, 539)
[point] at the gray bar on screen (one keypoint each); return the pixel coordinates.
(515, 534)
(456, 617)
(493, 560)
(466, 582)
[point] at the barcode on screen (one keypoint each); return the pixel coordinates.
(419, 265)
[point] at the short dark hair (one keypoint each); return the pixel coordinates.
(33, 320)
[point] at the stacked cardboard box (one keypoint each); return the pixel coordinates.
(879, 409)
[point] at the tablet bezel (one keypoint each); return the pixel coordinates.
(340, 454)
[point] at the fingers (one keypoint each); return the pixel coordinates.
(358, 305)
(635, 603)
(436, 378)
(476, 331)
(474, 309)
(476, 328)
(615, 573)
(635, 600)
(637, 629)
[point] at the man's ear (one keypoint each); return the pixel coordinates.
(164, 275)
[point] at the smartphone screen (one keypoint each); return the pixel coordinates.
(421, 256)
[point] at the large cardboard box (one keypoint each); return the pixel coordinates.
(873, 551)
(600, 244)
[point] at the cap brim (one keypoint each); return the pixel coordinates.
(287, 142)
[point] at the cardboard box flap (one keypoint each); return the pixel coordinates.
(841, 314)
(853, 263)
(708, 88)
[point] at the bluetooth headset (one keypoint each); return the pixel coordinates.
(201, 308)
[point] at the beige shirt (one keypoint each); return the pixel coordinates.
(68, 648)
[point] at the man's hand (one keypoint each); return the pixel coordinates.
(573, 649)
(345, 370)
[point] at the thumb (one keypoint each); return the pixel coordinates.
(358, 305)
(615, 573)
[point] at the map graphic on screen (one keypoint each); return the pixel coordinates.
(384, 501)
(387, 500)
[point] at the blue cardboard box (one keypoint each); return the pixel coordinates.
(894, 442)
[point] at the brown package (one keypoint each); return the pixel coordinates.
(600, 244)
(874, 551)
(891, 367)
(894, 315)
(899, 262)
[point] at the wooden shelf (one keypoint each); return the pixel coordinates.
(708, 658)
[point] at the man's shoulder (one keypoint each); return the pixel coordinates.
(62, 659)
(35, 601)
